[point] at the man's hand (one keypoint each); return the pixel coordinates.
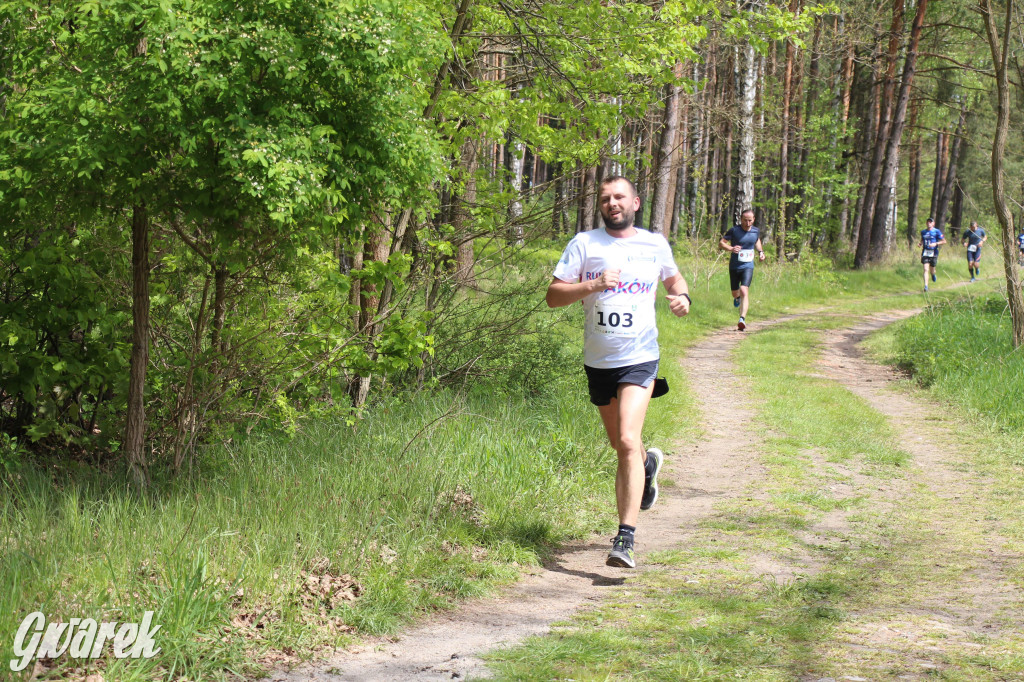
(761, 254)
(679, 305)
(609, 279)
(736, 249)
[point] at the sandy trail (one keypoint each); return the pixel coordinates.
(695, 476)
(985, 600)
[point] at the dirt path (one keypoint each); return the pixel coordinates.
(966, 596)
(694, 478)
(722, 466)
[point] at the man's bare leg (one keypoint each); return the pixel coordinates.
(623, 422)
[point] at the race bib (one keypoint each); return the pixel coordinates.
(972, 248)
(616, 319)
(746, 256)
(928, 253)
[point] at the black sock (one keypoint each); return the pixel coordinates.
(628, 531)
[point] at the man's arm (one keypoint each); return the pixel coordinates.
(724, 245)
(678, 295)
(562, 293)
(760, 248)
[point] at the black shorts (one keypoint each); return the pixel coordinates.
(976, 256)
(738, 278)
(604, 383)
(930, 260)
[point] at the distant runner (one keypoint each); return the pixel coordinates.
(615, 271)
(974, 237)
(742, 240)
(931, 240)
(1020, 247)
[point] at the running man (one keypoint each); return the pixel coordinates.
(1020, 247)
(742, 240)
(615, 271)
(931, 240)
(974, 237)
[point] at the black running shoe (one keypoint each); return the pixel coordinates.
(622, 552)
(650, 496)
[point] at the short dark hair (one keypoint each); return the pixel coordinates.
(931, 220)
(616, 178)
(746, 211)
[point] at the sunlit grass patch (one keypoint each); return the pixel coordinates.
(681, 557)
(717, 623)
(813, 412)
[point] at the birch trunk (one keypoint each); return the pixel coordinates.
(747, 98)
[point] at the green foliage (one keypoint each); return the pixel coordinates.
(63, 358)
(247, 133)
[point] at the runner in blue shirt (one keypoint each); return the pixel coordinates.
(974, 237)
(741, 241)
(931, 240)
(1020, 246)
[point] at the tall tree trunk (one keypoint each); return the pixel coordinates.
(876, 200)
(913, 192)
(1014, 296)
(957, 213)
(747, 97)
(946, 192)
(868, 99)
(666, 145)
(940, 171)
(645, 168)
(462, 227)
(698, 177)
(805, 120)
(787, 98)
(559, 213)
(587, 195)
(887, 187)
(682, 183)
(600, 173)
(378, 247)
(516, 153)
(135, 429)
(220, 307)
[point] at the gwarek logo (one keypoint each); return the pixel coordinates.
(82, 638)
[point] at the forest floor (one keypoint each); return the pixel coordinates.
(834, 529)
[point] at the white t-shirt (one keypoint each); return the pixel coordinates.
(620, 327)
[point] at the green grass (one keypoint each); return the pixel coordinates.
(960, 350)
(433, 500)
(428, 500)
